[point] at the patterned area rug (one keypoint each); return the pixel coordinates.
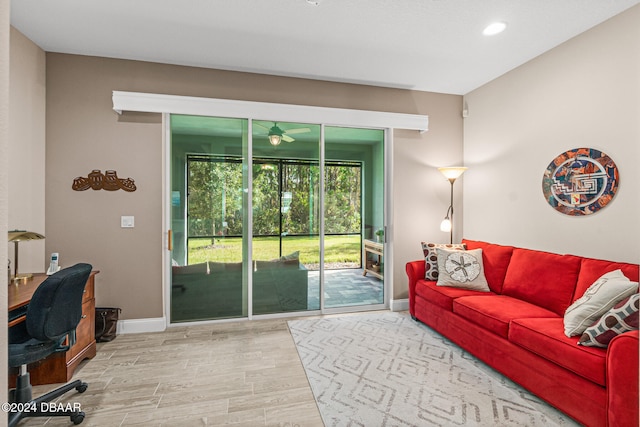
(384, 369)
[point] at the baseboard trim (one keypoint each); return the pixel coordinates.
(159, 324)
(136, 326)
(399, 304)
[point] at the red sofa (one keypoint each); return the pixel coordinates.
(517, 329)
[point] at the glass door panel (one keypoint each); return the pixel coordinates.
(212, 172)
(354, 217)
(286, 214)
(208, 217)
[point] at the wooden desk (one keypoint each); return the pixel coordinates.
(58, 367)
(19, 295)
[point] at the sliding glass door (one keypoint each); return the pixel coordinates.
(286, 217)
(208, 218)
(270, 218)
(353, 217)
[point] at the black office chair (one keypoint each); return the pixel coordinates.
(52, 315)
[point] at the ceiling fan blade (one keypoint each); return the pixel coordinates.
(298, 130)
(287, 138)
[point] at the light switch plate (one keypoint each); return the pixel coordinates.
(127, 221)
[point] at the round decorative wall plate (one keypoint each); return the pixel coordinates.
(580, 181)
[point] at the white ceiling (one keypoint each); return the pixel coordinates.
(429, 45)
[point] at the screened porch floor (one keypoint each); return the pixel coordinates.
(345, 287)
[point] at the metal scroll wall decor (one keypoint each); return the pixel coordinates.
(109, 181)
(580, 181)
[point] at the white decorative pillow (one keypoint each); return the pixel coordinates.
(603, 294)
(431, 257)
(461, 269)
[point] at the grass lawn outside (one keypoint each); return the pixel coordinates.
(339, 250)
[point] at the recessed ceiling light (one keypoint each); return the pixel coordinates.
(494, 28)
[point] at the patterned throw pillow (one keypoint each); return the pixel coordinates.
(461, 269)
(431, 257)
(604, 293)
(621, 318)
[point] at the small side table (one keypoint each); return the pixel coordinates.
(374, 248)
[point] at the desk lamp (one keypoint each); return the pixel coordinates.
(16, 236)
(451, 174)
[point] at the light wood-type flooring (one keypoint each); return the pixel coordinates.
(239, 374)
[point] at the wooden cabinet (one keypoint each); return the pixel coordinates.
(59, 367)
(373, 265)
(85, 347)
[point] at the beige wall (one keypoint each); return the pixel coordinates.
(83, 133)
(4, 191)
(421, 193)
(27, 149)
(584, 93)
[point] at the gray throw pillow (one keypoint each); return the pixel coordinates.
(431, 257)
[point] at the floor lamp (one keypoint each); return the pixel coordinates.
(451, 173)
(16, 236)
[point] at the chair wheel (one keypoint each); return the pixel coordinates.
(77, 418)
(82, 388)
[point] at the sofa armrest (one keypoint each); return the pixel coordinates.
(622, 380)
(415, 271)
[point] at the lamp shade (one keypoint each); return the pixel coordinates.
(275, 139)
(446, 225)
(275, 135)
(452, 173)
(16, 236)
(22, 235)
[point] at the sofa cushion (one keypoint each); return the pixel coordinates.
(496, 260)
(461, 269)
(431, 257)
(216, 267)
(623, 317)
(443, 296)
(200, 268)
(545, 337)
(496, 312)
(591, 269)
(290, 261)
(275, 264)
(605, 292)
(542, 278)
(292, 257)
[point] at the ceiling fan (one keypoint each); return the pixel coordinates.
(277, 134)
